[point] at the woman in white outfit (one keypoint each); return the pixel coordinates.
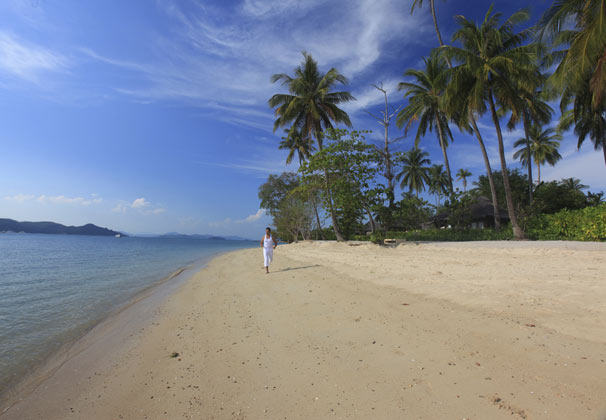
(269, 244)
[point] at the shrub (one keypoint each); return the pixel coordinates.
(588, 224)
(456, 235)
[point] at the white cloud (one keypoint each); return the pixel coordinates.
(254, 217)
(56, 199)
(221, 58)
(27, 61)
(19, 198)
(139, 203)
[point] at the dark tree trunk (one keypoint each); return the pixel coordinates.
(529, 157)
(517, 231)
(493, 190)
(443, 147)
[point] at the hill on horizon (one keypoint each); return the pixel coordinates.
(10, 225)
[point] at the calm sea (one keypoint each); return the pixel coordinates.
(55, 287)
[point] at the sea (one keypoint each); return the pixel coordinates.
(54, 288)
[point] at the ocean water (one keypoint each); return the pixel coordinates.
(53, 288)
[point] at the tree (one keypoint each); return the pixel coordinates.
(294, 142)
(438, 182)
(291, 212)
(577, 32)
(384, 120)
(531, 108)
(466, 118)
(415, 170)
(581, 55)
(544, 146)
(351, 167)
(425, 104)
(493, 57)
(462, 175)
(573, 184)
(518, 184)
(311, 104)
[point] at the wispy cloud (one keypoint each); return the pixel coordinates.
(27, 61)
(141, 204)
(221, 58)
(229, 221)
(55, 199)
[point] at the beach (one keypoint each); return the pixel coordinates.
(499, 330)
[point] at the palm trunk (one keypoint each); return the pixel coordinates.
(529, 157)
(331, 208)
(517, 231)
(443, 147)
(604, 150)
(493, 190)
(371, 220)
(315, 205)
(538, 172)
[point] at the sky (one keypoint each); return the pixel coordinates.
(151, 116)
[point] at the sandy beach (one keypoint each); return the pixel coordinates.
(491, 330)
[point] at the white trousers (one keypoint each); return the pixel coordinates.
(268, 255)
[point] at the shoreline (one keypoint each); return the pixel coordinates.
(130, 311)
(358, 332)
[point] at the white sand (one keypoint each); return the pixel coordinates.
(477, 331)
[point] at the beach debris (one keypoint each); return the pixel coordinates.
(531, 325)
(406, 304)
(174, 354)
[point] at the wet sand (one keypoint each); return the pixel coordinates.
(475, 330)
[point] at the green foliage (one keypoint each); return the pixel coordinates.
(377, 237)
(517, 182)
(291, 212)
(587, 224)
(551, 197)
(455, 235)
(345, 171)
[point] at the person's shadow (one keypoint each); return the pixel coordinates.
(297, 268)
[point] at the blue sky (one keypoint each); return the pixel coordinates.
(151, 116)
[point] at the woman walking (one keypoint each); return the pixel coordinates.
(269, 244)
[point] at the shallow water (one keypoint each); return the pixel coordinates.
(54, 287)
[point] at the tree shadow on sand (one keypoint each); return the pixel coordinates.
(297, 268)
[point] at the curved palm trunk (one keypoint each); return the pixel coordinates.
(443, 147)
(493, 190)
(517, 231)
(315, 205)
(538, 173)
(529, 157)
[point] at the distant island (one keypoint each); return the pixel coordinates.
(10, 225)
(201, 236)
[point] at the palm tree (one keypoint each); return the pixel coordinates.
(544, 146)
(531, 108)
(294, 142)
(438, 182)
(311, 103)
(462, 175)
(311, 106)
(425, 104)
(493, 56)
(415, 170)
(580, 76)
(582, 57)
(573, 184)
(432, 6)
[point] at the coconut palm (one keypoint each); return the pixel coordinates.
(531, 108)
(311, 106)
(544, 146)
(425, 104)
(577, 29)
(432, 7)
(415, 170)
(495, 64)
(580, 50)
(573, 184)
(438, 182)
(462, 175)
(294, 142)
